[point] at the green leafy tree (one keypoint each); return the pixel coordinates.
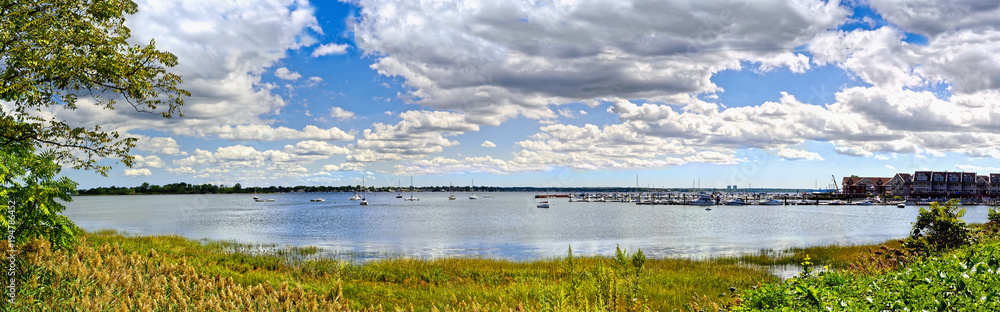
(53, 53)
(938, 228)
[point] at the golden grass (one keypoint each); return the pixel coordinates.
(113, 272)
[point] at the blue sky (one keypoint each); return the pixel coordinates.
(591, 93)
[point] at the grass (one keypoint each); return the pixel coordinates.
(110, 271)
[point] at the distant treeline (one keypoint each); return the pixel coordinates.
(185, 188)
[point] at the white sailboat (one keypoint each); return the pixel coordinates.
(364, 200)
(451, 195)
(473, 196)
(411, 191)
(399, 193)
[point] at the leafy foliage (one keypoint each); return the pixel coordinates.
(966, 278)
(938, 228)
(31, 189)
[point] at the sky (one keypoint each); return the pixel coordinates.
(752, 93)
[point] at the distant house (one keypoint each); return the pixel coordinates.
(865, 185)
(901, 185)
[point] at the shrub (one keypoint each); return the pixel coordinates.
(938, 228)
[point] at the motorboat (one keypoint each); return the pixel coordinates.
(259, 200)
(865, 203)
(901, 205)
(317, 200)
(544, 204)
(703, 200)
(769, 202)
(836, 203)
(356, 196)
(735, 202)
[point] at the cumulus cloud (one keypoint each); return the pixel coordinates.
(242, 162)
(151, 161)
(330, 49)
(419, 133)
(341, 114)
(259, 132)
(158, 145)
(137, 172)
(286, 74)
(472, 56)
(487, 143)
(347, 166)
(796, 154)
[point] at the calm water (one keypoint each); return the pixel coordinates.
(505, 225)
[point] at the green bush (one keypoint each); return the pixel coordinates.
(938, 228)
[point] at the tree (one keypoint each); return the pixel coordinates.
(938, 228)
(53, 53)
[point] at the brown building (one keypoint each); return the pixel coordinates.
(865, 185)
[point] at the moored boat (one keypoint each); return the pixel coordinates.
(769, 202)
(703, 200)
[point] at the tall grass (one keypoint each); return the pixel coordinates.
(109, 271)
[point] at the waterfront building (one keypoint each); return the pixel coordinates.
(855, 185)
(901, 185)
(944, 184)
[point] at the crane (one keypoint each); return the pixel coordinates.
(835, 183)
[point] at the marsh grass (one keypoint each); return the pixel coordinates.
(110, 271)
(832, 256)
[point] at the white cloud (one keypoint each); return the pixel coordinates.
(258, 132)
(151, 161)
(890, 167)
(341, 114)
(419, 133)
(330, 48)
(348, 166)
(181, 171)
(316, 148)
(137, 172)
(969, 168)
(487, 143)
(286, 74)
(472, 56)
(796, 154)
(933, 17)
(158, 145)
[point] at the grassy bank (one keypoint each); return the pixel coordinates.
(109, 271)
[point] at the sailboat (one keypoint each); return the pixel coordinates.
(473, 196)
(258, 199)
(411, 191)
(364, 201)
(451, 195)
(399, 194)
